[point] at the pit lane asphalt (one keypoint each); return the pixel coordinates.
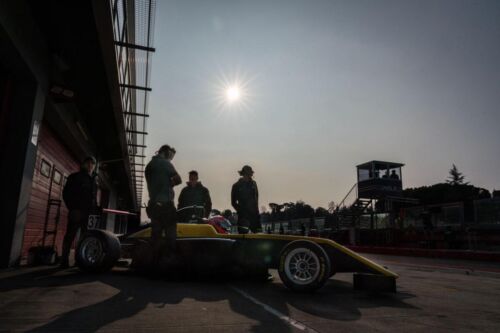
(433, 296)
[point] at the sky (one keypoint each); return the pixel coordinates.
(326, 85)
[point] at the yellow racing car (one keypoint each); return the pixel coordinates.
(303, 263)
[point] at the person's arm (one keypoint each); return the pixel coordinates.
(256, 197)
(175, 179)
(68, 191)
(208, 202)
(256, 194)
(96, 195)
(234, 197)
(181, 199)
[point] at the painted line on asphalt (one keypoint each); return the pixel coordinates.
(445, 267)
(292, 322)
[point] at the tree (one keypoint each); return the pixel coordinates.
(302, 210)
(275, 208)
(445, 193)
(456, 177)
(289, 211)
(275, 211)
(321, 212)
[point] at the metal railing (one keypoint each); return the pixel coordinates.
(348, 200)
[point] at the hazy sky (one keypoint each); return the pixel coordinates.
(329, 85)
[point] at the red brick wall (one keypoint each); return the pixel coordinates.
(52, 150)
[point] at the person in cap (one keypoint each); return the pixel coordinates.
(245, 200)
(80, 197)
(195, 194)
(161, 178)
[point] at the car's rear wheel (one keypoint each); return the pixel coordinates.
(97, 251)
(304, 266)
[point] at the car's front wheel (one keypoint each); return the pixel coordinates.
(304, 266)
(97, 251)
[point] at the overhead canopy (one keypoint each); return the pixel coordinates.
(102, 51)
(379, 165)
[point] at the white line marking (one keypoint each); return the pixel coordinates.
(440, 267)
(273, 311)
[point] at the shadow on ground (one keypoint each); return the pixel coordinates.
(336, 301)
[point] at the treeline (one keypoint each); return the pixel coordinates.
(292, 210)
(455, 189)
(446, 192)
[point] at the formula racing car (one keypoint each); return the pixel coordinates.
(303, 263)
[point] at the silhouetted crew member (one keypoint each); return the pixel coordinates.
(394, 175)
(195, 194)
(302, 229)
(161, 177)
(80, 196)
(245, 200)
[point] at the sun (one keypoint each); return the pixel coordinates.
(233, 94)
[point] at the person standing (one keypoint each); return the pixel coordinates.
(161, 177)
(80, 197)
(195, 194)
(245, 200)
(394, 175)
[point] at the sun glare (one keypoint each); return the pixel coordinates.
(233, 94)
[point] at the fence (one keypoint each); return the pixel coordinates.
(296, 226)
(438, 216)
(487, 211)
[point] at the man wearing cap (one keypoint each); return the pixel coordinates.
(245, 200)
(195, 194)
(80, 197)
(161, 177)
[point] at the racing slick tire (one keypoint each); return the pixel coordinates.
(97, 251)
(304, 266)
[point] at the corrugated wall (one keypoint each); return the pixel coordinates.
(53, 152)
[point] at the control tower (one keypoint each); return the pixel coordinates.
(378, 179)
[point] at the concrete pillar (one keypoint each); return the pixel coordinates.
(27, 105)
(24, 60)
